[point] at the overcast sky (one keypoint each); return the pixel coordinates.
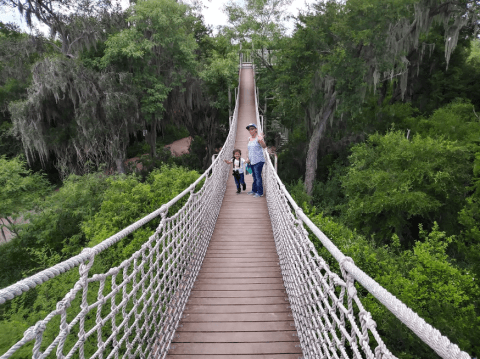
(213, 13)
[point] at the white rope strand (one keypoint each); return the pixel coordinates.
(322, 303)
(136, 306)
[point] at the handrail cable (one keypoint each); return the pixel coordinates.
(148, 291)
(317, 295)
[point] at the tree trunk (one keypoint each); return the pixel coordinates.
(120, 166)
(210, 140)
(313, 145)
(151, 137)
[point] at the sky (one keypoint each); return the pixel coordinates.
(212, 13)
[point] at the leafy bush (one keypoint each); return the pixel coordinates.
(19, 189)
(424, 278)
(469, 218)
(394, 184)
(456, 121)
(127, 200)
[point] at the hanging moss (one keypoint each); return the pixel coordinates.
(82, 117)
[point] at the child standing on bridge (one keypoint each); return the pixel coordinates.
(238, 169)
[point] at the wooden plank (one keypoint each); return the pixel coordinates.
(237, 317)
(225, 309)
(245, 241)
(252, 255)
(240, 250)
(235, 348)
(243, 275)
(238, 301)
(249, 356)
(225, 234)
(241, 268)
(268, 280)
(219, 245)
(225, 265)
(236, 326)
(246, 251)
(239, 287)
(236, 337)
(240, 260)
(236, 293)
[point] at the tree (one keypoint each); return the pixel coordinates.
(200, 106)
(18, 52)
(356, 46)
(81, 116)
(393, 184)
(158, 49)
(75, 23)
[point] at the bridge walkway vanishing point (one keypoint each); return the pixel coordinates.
(238, 307)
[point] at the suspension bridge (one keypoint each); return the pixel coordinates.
(226, 276)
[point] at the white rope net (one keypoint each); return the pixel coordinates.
(138, 304)
(329, 317)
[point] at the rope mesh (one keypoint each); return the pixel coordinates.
(329, 317)
(138, 304)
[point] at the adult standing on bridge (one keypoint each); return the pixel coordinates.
(256, 144)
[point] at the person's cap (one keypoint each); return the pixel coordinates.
(251, 125)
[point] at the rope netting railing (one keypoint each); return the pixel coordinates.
(329, 316)
(133, 309)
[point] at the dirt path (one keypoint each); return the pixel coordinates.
(180, 147)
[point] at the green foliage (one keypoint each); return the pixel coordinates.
(291, 160)
(329, 195)
(19, 190)
(157, 49)
(424, 278)
(257, 21)
(220, 71)
(456, 121)
(469, 218)
(127, 200)
(394, 183)
(53, 228)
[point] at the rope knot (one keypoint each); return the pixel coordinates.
(62, 305)
(337, 280)
(31, 333)
(85, 267)
(352, 291)
(366, 317)
(343, 261)
(345, 274)
(381, 352)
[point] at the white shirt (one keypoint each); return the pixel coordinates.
(239, 165)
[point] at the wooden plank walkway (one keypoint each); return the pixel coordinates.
(238, 308)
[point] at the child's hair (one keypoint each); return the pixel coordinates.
(236, 150)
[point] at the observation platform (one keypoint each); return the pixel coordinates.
(238, 307)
